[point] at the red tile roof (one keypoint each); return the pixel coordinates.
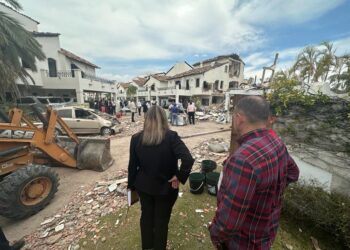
(232, 56)
(45, 34)
(196, 71)
(77, 58)
(125, 85)
(140, 81)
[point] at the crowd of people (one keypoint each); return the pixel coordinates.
(112, 107)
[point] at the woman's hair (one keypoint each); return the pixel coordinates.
(155, 126)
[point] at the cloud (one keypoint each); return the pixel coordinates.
(129, 31)
(282, 12)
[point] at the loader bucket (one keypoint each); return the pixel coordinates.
(94, 154)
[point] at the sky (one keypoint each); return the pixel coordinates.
(131, 38)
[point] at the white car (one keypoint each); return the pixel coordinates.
(88, 121)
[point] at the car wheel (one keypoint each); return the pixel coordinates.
(106, 131)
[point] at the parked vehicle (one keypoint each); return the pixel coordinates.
(88, 121)
(52, 101)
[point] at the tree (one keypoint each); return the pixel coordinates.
(16, 45)
(325, 62)
(306, 63)
(131, 91)
(340, 80)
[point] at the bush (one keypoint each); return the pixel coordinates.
(328, 211)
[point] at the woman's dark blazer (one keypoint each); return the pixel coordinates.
(150, 167)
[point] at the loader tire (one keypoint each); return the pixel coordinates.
(27, 191)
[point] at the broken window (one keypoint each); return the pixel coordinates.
(197, 83)
(216, 85)
(178, 83)
(233, 85)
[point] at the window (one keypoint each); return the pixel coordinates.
(26, 100)
(65, 113)
(178, 83)
(197, 83)
(52, 67)
(187, 84)
(25, 64)
(81, 113)
(233, 85)
(216, 85)
(152, 87)
(221, 84)
(55, 100)
(43, 100)
(225, 68)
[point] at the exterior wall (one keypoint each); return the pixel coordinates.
(178, 68)
(66, 66)
(27, 23)
(50, 46)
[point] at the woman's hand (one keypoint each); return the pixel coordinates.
(174, 182)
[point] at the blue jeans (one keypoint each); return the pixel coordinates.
(174, 120)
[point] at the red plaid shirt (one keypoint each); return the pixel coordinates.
(250, 196)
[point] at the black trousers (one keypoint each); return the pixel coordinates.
(132, 117)
(191, 117)
(139, 109)
(4, 243)
(155, 216)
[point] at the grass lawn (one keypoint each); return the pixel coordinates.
(188, 229)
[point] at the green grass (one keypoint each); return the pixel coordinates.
(187, 228)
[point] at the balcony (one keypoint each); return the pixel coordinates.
(78, 80)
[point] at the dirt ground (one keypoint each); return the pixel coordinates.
(72, 180)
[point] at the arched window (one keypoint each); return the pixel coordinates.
(52, 67)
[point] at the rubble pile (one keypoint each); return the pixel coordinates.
(214, 112)
(215, 149)
(129, 128)
(81, 216)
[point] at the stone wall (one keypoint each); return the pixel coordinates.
(320, 136)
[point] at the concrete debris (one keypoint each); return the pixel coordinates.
(53, 239)
(218, 147)
(59, 228)
(47, 221)
(80, 216)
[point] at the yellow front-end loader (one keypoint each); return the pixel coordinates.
(27, 153)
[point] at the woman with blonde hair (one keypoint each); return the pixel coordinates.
(154, 173)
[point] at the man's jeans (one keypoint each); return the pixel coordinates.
(174, 119)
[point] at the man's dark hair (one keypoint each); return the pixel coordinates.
(255, 108)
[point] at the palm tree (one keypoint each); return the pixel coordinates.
(16, 45)
(340, 81)
(326, 61)
(131, 90)
(306, 63)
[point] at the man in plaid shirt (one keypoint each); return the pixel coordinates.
(254, 178)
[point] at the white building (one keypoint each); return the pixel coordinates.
(208, 80)
(62, 73)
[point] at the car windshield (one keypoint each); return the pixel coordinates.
(43, 100)
(55, 100)
(26, 100)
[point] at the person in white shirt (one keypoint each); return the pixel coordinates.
(139, 106)
(132, 108)
(191, 108)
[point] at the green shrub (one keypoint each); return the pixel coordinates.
(328, 211)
